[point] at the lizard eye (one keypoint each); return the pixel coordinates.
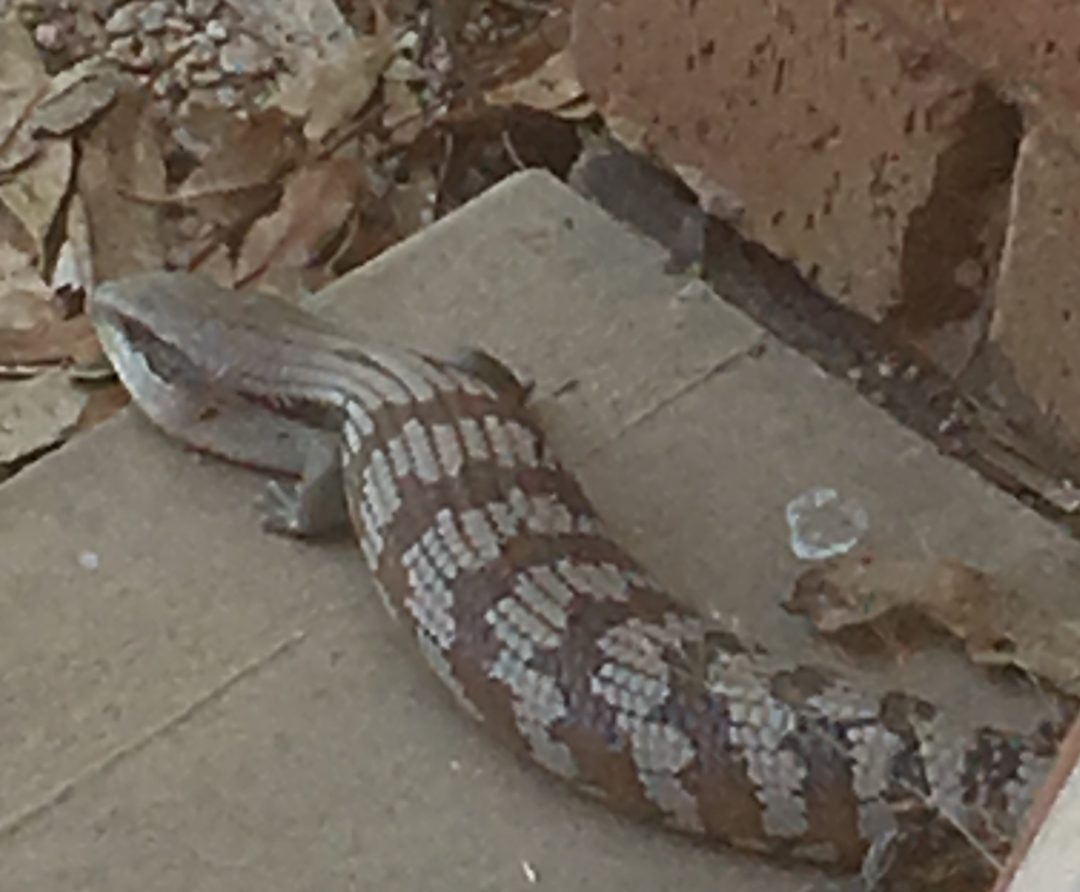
(165, 360)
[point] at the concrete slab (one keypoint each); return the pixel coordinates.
(186, 703)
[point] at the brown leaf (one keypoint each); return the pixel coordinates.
(48, 343)
(37, 414)
(74, 97)
(18, 150)
(23, 81)
(998, 626)
(121, 157)
(553, 87)
(330, 93)
(242, 161)
(33, 329)
(317, 201)
(24, 296)
(235, 153)
(34, 192)
(101, 404)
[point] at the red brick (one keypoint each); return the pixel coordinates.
(1029, 48)
(825, 132)
(1036, 324)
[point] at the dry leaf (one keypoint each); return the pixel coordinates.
(74, 97)
(37, 414)
(20, 149)
(330, 93)
(998, 626)
(101, 404)
(121, 157)
(33, 330)
(23, 81)
(317, 201)
(553, 87)
(24, 296)
(219, 266)
(33, 194)
(242, 162)
(53, 342)
(235, 153)
(39, 173)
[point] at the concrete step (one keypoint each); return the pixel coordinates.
(187, 703)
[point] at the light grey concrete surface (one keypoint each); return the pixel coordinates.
(188, 704)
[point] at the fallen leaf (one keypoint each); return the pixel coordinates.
(553, 87)
(101, 404)
(24, 295)
(74, 97)
(34, 192)
(33, 329)
(121, 157)
(330, 93)
(23, 81)
(235, 153)
(241, 163)
(317, 201)
(53, 342)
(13, 233)
(17, 151)
(219, 266)
(998, 627)
(37, 414)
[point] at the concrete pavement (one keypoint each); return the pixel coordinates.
(189, 704)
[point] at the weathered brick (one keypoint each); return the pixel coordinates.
(879, 166)
(1036, 323)
(1030, 48)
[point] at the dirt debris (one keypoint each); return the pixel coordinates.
(272, 146)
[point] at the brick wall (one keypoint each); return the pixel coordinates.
(919, 160)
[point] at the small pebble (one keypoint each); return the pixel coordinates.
(242, 55)
(47, 36)
(228, 96)
(215, 30)
(203, 52)
(202, 9)
(408, 42)
(123, 20)
(206, 77)
(152, 17)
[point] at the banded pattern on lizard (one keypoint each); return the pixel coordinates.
(541, 625)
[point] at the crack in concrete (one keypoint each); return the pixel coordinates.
(10, 825)
(753, 351)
